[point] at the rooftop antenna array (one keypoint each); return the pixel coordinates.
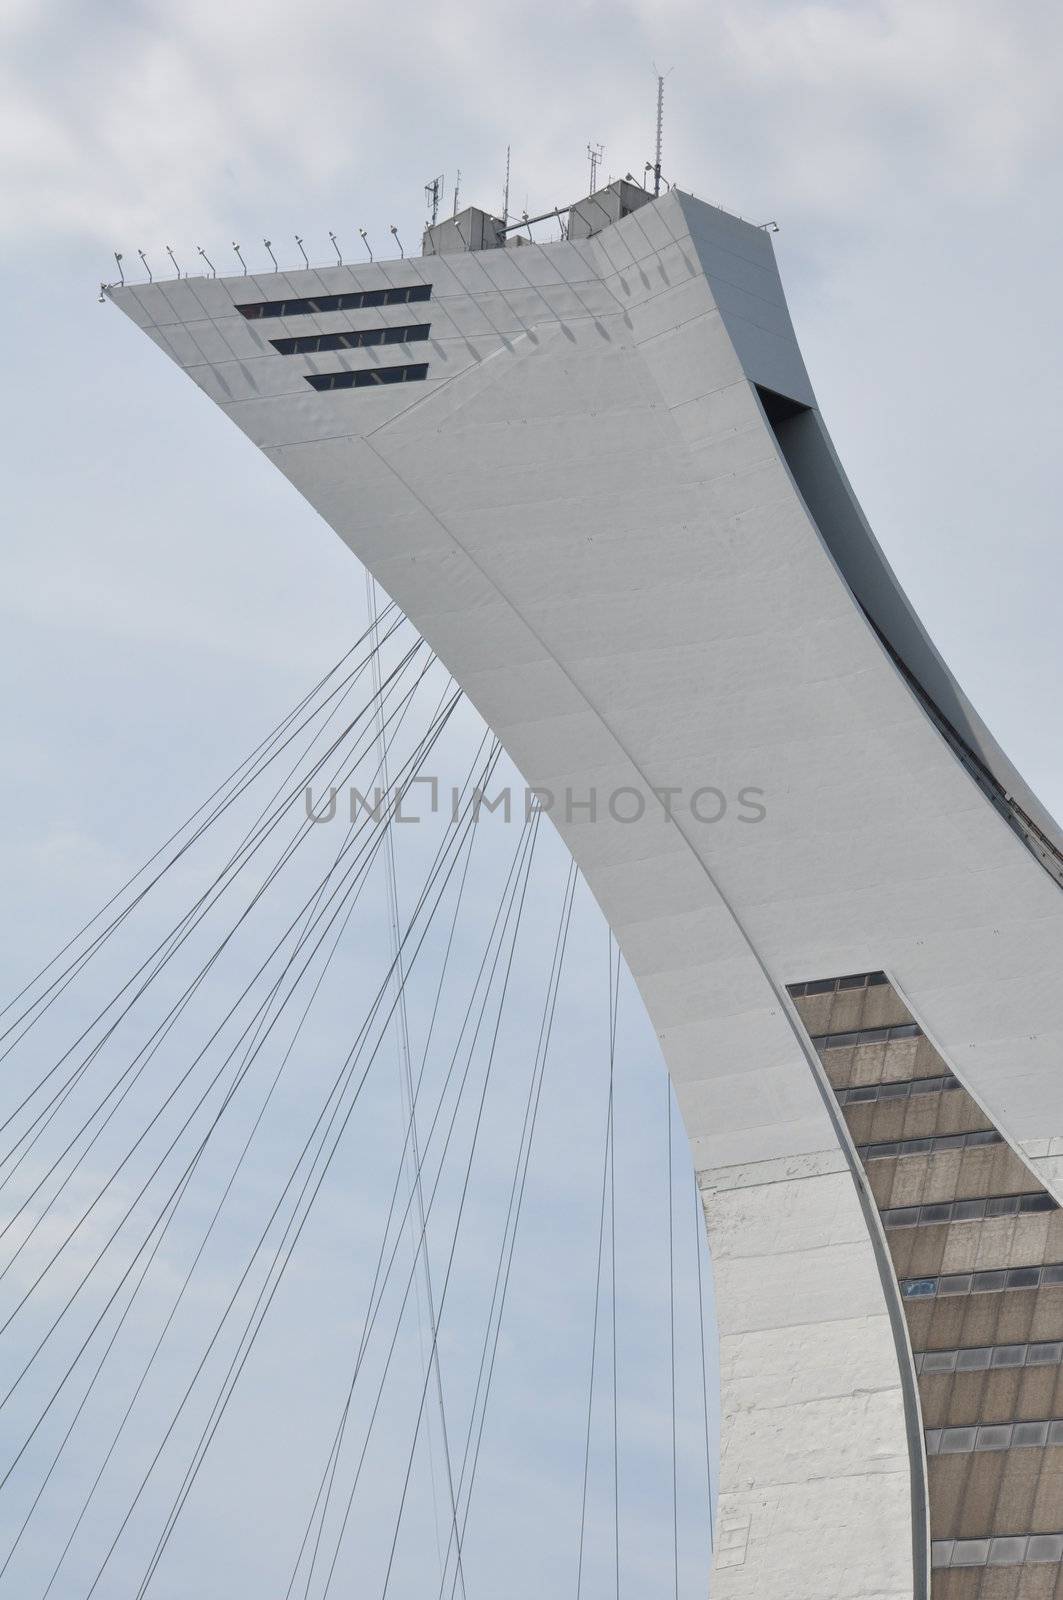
(457, 191)
(595, 151)
(433, 192)
(660, 128)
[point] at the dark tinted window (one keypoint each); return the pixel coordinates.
(353, 300)
(367, 377)
(349, 339)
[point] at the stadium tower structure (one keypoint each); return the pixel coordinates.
(594, 475)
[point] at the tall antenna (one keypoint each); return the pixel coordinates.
(505, 193)
(433, 193)
(595, 151)
(457, 191)
(660, 127)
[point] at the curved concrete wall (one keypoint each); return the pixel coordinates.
(586, 513)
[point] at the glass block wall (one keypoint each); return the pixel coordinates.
(976, 1243)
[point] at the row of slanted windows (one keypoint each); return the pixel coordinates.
(930, 1146)
(855, 980)
(1007, 1550)
(993, 1436)
(839, 1041)
(366, 377)
(866, 1092)
(982, 1357)
(312, 344)
(352, 300)
(1000, 1205)
(993, 1281)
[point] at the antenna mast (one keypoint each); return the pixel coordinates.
(595, 151)
(660, 126)
(505, 193)
(457, 191)
(432, 193)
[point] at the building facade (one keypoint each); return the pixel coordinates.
(594, 475)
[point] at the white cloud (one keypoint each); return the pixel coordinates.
(161, 119)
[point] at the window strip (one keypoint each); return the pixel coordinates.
(993, 1436)
(352, 300)
(842, 1041)
(1006, 1550)
(980, 1358)
(994, 1281)
(929, 1146)
(366, 377)
(350, 339)
(900, 1089)
(855, 980)
(980, 1210)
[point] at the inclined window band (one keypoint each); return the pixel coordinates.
(351, 339)
(991, 1282)
(993, 1436)
(855, 980)
(982, 1210)
(1007, 1550)
(902, 1089)
(841, 1041)
(366, 377)
(928, 1146)
(352, 300)
(980, 1358)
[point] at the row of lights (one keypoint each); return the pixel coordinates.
(119, 257)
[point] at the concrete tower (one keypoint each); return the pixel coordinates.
(594, 475)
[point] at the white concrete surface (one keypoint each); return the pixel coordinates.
(585, 513)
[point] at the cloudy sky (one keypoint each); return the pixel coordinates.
(165, 596)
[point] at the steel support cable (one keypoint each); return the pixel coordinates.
(614, 1005)
(671, 1341)
(256, 765)
(406, 1087)
(220, 1406)
(517, 868)
(164, 951)
(143, 1189)
(375, 1300)
(265, 1004)
(233, 776)
(108, 1347)
(331, 1464)
(132, 1073)
(220, 1205)
(461, 1203)
(607, 1143)
(155, 1038)
(114, 1294)
(485, 1373)
(371, 665)
(699, 1240)
(342, 1082)
(202, 1246)
(203, 1243)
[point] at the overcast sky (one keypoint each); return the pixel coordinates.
(165, 595)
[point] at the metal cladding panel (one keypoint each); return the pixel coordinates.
(587, 514)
